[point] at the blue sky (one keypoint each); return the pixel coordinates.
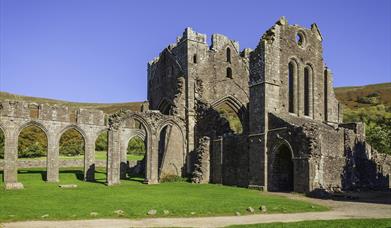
(97, 50)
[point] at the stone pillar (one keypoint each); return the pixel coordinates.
(53, 158)
(152, 163)
(124, 158)
(113, 158)
(10, 157)
(89, 159)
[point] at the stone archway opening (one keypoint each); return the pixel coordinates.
(282, 170)
(229, 114)
(72, 150)
(32, 150)
(136, 154)
(134, 149)
(101, 148)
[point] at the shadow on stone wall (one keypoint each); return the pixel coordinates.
(228, 163)
(361, 172)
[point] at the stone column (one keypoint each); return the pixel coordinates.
(152, 163)
(53, 158)
(10, 156)
(113, 158)
(89, 159)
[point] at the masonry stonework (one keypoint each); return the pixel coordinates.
(292, 137)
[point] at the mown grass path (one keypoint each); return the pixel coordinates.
(46, 201)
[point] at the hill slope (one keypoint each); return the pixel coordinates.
(365, 96)
(107, 108)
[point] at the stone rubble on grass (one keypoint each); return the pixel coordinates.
(119, 212)
(13, 186)
(94, 214)
(250, 209)
(237, 213)
(152, 212)
(166, 212)
(68, 185)
(263, 209)
(45, 216)
(192, 213)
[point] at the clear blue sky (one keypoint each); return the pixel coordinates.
(97, 50)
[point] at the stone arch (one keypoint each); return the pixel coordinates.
(281, 167)
(33, 123)
(141, 137)
(69, 127)
(29, 124)
(149, 175)
(171, 153)
(238, 107)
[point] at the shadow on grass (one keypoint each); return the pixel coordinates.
(368, 196)
(43, 173)
(135, 177)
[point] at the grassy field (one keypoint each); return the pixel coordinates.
(346, 223)
(99, 155)
(41, 200)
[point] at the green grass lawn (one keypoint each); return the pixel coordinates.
(134, 198)
(99, 155)
(345, 223)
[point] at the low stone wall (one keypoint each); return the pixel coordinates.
(26, 164)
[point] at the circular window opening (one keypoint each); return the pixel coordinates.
(300, 40)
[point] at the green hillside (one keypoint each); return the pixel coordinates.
(365, 96)
(107, 108)
(370, 104)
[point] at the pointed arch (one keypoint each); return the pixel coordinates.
(292, 85)
(69, 127)
(30, 124)
(281, 167)
(308, 89)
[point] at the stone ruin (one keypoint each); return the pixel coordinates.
(291, 137)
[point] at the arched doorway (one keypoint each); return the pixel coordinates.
(32, 150)
(72, 150)
(134, 149)
(136, 157)
(281, 178)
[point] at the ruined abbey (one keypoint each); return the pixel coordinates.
(264, 118)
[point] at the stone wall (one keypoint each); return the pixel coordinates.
(229, 161)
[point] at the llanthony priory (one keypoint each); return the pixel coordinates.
(290, 135)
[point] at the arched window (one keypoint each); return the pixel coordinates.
(307, 91)
(292, 68)
(195, 58)
(229, 55)
(325, 91)
(229, 72)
